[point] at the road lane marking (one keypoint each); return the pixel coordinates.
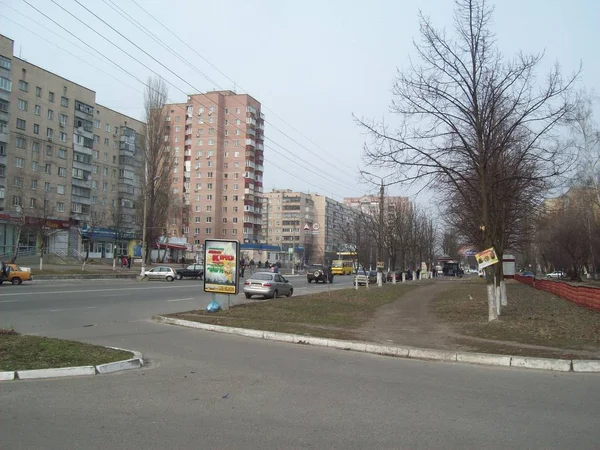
(56, 310)
(112, 295)
(181, 299)
(84, 291)
(8, 301)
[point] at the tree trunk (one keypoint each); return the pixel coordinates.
(497, 295)
(42, 262)
(491, 291)
(503, 296)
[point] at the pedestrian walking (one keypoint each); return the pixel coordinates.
(129, 262)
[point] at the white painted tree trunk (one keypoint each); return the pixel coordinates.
(492, 312)
(41, 262)
(503, 296)
(115, 263)
(496, 294)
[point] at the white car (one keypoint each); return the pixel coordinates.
(160, 273)
(556, 274)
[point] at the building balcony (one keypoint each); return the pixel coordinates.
(250, 142)
(81, 183)
(4, 137)
(81, 149)
(83, 166)
(82, 200)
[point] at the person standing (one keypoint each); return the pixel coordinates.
(129, 261)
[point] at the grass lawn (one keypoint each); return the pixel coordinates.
(531, 317)
(333, 316)
(22, 352)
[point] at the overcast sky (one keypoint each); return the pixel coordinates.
(312, 63)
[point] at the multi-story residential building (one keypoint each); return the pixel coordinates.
(369, 202)
(217, 143)
(65, 159)
(306, 227)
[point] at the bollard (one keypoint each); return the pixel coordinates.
(414, 275)
(404, 277)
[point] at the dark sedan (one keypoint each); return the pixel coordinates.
(192, 271)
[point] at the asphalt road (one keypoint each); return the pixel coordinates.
(207, 390)
(43, 307)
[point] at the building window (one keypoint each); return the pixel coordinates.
(64, 101)
(96, 154)
(94, 184)
(38, 91)
(34, 166)
(60, 189)
(235, 220)
(237, 132)
(197, 219)
(21, 124)
(237, 110)
(5, 62)
(209, 197)
(63, 137)
(236, 143)
(17, 201)
(48, 169)
(63, 120)
(106, 142)
(34, 184)
(224, 219)
(105, 171)
(208, 208)
(51, 97)
(50, 114)
(208, 230)
(209, 186)
(62, 153)
(37, 110)
(211, 142)
(5, 84)
(62, 172)
(18, 182)
(22, 104)
(234, 231)
(24, 86)
(104, 186)
(36, 128)
(19, 162)
(97, 124)
(94, 199)
(60, 206)
(47, 187)
(49, 133)
(35, 147)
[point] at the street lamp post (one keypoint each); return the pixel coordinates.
(380, 227)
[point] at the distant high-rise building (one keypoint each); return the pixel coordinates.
(217, 140)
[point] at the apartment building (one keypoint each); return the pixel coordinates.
(64, 159)
(308, 228)
(369, 202)
(217, 142)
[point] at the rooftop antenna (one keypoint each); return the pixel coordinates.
(234, 86)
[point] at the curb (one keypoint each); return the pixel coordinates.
(84, 277)
(488, 359)
(133, 363)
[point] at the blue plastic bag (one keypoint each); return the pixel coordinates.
(213, 307)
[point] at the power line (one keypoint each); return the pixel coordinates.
(133, 76)
(145, 52)
(230, 79)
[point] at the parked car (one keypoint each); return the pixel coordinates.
(267, 284)
(160, 273)
(318, 272)
(361, 277)
(527, 274)
(15, 274)
(396, 274)
(192, 271)
(373, 276)
(557, 274)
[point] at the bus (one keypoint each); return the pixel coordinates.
(345, 264)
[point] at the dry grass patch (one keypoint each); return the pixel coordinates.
(531, 317)
(338, 314)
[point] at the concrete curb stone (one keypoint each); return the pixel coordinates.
(56, 373)
(559, 365)
(484, 358)
(582, 365)
(7, 376)
(521, 362)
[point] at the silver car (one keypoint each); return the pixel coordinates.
(160, 273)
(269, 285)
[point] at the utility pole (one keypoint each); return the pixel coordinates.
(380, 242)
(382, 186)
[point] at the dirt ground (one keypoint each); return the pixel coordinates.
(410, 321)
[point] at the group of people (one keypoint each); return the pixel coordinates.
(125, 261)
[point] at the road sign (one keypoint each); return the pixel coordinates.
(316, 226)
(380, 264)
(306, 227)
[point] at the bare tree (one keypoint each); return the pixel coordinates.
(462, 109)
(87, 233)
(158, 164)
(40, 223)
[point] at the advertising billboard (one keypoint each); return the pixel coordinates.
(486, 258)
(221, 266)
